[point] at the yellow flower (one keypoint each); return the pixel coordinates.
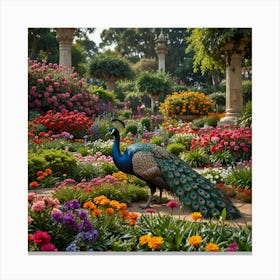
(196, 215)
(104, 201)
(212, 247)
(98, 199)
(144, 239)
(155, 242)
(195, 240)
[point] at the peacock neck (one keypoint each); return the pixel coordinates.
(122, 161)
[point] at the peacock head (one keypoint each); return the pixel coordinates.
(113, 131)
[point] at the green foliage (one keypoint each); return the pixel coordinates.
(184, 139)
(176, 148)
(146, 123)
(125, 193)
(221, 157)
(127, 114)
(102, 93)
(219, 98)
(157, 140)
(198, 123)
(196, 158)
(87, 171)
(240, 177)
(124, 86)
(247, 91)
(109, 168)
(245, 118)
(179, 88)
(154, 83)
(131, 128)
(135, 99)
(107, 67)
(145, 64)
(59, 161)
(36, 162)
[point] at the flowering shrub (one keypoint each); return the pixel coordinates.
(54, 87)
(72, 122)
(186, 103)
(237, 141)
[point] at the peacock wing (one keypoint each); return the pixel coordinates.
(145, 166)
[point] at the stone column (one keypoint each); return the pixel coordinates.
(234, 97)
(161, 51)
(65, 38)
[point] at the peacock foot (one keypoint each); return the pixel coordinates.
(147, 205)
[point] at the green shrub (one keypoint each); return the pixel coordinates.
(109, 168)
(132, 128)
(240, 177)
(245, 118)
(157, 140)
(87, 171)
(247, 91)
(211, 121)
(184, 139)
(127, 114)
(103, 94)
(146, 122)
(36, 162)
(175, 148)
(219, 98)
(122, 87)
(135, 99)
(196, 158)
(221, 157)
(198, 123)
(59, 161)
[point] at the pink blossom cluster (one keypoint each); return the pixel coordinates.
(38, 203)
(237, 141)
(180, 128)
(43, 239)
(109, 179)
(54, 87)
(97, 157)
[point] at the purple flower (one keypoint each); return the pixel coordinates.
(57, 217)
(172, 204)
(71, 205)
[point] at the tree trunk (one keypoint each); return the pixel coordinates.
(111, 84)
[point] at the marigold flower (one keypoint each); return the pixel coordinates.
(110, 211)
(155, 242)
(195, 240)
(115, 204)
(124, 213)
(144, 239)
(133, 215)
(96, 212)
(99, 198)
(132, 222)
(104, 201)
(212, 247)
(89, 205)
(48, 171)
(34, 184)
(122, 206)
(40, 177)
(196, 215)
(39, 173)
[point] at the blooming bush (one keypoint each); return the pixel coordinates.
(54, 87)
(186, 103)
(73, 122)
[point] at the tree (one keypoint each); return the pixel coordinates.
(208, 47)
(155, 84)
(109, 68)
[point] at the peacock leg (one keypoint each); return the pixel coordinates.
(153, 190)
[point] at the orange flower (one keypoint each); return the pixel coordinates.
(132, 222)
(40, 177)
(39, 173)
(212, 247)
(33, 184)
(99, 198)
(89, 205)
(122, 206)
(124, 213)
(144, 239)
(155, 242)
(196, 215)
(48, 171)
(115, 204)
(104, 201)
(96, 212)
(133, 216)
(195, 240)
(110, 211)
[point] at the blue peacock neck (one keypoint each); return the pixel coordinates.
(122, 161)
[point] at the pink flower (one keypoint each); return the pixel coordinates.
(48, 247)
(245, 149)
(232, 143)
(41, 237)
(150, 210)
(232, 247)
(40, 81)
(172, 204)
(29, 220)
(56, 84)
(236, 148)
(38, 206)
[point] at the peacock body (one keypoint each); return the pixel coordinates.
(165, 171)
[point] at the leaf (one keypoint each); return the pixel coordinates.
(224, 214)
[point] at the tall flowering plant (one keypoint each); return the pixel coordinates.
(54, 87)
(186, 103)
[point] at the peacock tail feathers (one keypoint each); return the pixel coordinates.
(153, 163)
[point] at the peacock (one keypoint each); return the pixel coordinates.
(165, 171)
